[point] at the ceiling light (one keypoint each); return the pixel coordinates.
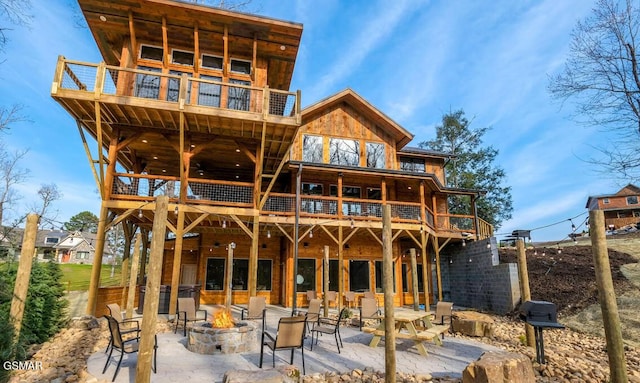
(268, 233)
(237, 177)
(103, 18)
(164, 170)
(155, 157)
(237, 150)
(282, 47)
(193, 146)
(145, 141)
(237, 164)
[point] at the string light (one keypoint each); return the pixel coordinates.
(176, 210)
(311, 233)
(268, 233)
(573, 226)
(352, 224)
(224, 223)
(140, 213)
(464, 243)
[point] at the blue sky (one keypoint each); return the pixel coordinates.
(414, 60)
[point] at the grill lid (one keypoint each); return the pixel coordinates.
(540, 314)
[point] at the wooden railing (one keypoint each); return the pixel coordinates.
(101, 79)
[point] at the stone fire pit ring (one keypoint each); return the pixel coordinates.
(202, 338)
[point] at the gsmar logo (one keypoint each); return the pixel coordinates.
(22, 365)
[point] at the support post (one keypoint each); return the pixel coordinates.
(152, 292)
(426, 286)
(296, 234)
(525, 292)
(607, 298)
(230, 248)
(341, 269)
(387, 278)
(94, 283)
(253, 258)
(414, 279)
(24, 273)
(131, 297)
(325, 281)
(177, 262)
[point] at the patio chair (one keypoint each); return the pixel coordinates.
(128, 346)
(350, 298)
(311, 294)
(313, 313)
(290, 336)
(371, 295)
(444, 312)
(329, 326)
(332, 297)
(257, 309)
(127, 326)
(369, 310)
(187, 313)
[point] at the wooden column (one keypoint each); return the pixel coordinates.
(414, 279)
(436, 250)
(387, 278)
(607, 298)
(177, 263)
(341, 268)
(145, 253)
(127, 230)
(24, 273)
(325, 281)
(426, 272)
(230, 248)
(253, 258)
(94, 283)
(152, 292)
(133, 285)
(525, 292)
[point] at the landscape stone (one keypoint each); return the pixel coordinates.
(472, 323)
(499, 367)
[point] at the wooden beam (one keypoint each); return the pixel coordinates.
(242, 225)
(172, 228)
(331, 235)
(225, 52)
(306, 233)
(24, 273)
(98, 117)
(121, 218)
(414, 238)
(196, 47)
(387, 283)
(374, 236)
(94, 282)
(397, 234)
(414, 279)
(443, 245)
(426, 276)
(92, 163)
(195, 222)
(152, 292)
(133, 278)
(284, 232)
(177, 262)
(352, 233)
(273, 181)
(132, 37)
(165, 43)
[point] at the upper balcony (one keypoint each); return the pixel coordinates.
(142, 100)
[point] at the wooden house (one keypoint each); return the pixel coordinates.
(620, 209)
(193, 102)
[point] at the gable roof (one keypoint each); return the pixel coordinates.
(628, 190)
(401, 136)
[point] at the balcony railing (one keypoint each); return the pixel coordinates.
(181, 89)
(240, 194)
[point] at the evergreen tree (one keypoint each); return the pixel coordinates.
(472, 167)
(83, 221)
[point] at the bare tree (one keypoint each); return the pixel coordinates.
(48, 194)
(10, 175)
(16, 13)
(601, 77)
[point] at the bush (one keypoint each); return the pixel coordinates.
(44, 309)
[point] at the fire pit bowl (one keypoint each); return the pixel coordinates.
(202, 338)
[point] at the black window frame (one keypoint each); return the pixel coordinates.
(359, 269)
(265, 274)
(377, 269)
(307, 269)
(147, 50)
(219, 263)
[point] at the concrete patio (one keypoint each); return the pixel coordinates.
(177, 364)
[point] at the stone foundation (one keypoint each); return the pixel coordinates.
(211, 340)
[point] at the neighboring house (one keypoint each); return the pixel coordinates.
(620, 209)
(78, 247)
(46, 241)
(193, 102)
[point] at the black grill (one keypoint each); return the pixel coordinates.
(540, 314)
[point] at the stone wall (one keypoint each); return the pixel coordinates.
(473, 277)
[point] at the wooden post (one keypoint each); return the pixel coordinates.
(341, 268)
(387, 279)
(133, 278)
(24, 272)
(126, 262)
(152, 292)
(525, 292)
(426, 286)
(253, 258)
(230, 248)
(607, 298)
(177, 262)
(414, 279)
(94, 283)
(144, 255)
(325, 281)
(436, 250)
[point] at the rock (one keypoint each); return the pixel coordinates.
(472, 323)
(286, 374)
(86, 322)
(498, 367)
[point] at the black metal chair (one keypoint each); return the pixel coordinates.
(127, 326)
(187, 313)
(329, 326)
(257, 310)
(290, 336)
(128, 346)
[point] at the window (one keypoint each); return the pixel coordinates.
(306, 275)
(151, 53)
(359, 276)
(312, 148)
(51, 240)
(239, 97)
(636, 213)
(344, 152)
(605, 200)
(241, 66)
(173, 88)
(379, 283)
(240, 274)
(208, 93)
(147, 85)
(82, 255)
(310, 205)
(264, 274)
(311, 189)
(374, 209)
(214, 277)
(375, 155)
(410, 164)
(632, 200)
(349, 207)
(405, 277)
(211, 62)
(334, 275)
(181, 57)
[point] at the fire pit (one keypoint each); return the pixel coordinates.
(221, 336)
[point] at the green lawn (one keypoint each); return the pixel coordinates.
(77, 277)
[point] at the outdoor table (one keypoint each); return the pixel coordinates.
(406, 320)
